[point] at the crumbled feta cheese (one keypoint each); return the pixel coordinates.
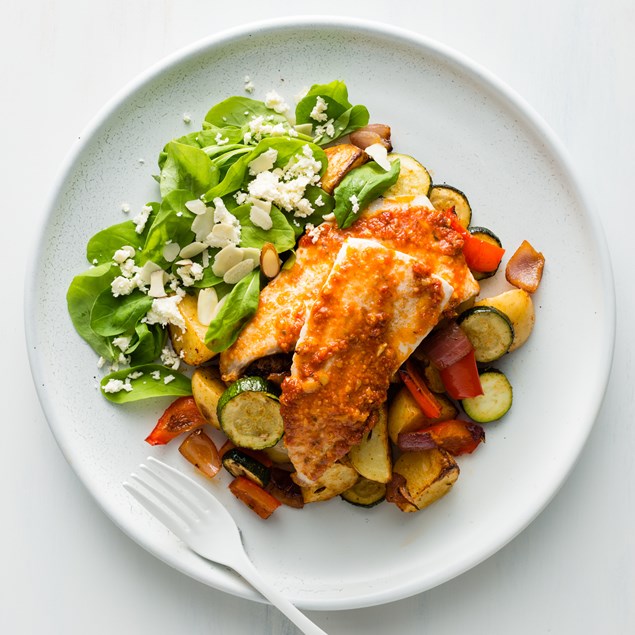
(190, 273)
(329, 218)
(319, 110)
(303, 208)
(220, 140)
(263, 162)
(319, 201)
(156, 375)
(122, 342)
(226, 229)
(128, 268)
(169, 358)
(125, 208)
(354, 203)
(168, 378)
(326, 129)
(101, 361)
(249, 85)
(122, 286)
(241, 197)
(258, 128)
(141, 218)
(276, 102)
(117, 385)
(121, 255)
(135, 375)
(187, 118)
(165, 311)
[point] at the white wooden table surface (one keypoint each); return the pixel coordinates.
(65, 568)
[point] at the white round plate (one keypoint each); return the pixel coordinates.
(472, 132)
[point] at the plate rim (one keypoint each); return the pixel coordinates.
(556, 151)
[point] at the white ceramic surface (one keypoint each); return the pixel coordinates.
(470, 131)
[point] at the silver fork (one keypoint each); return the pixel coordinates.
(201, 521)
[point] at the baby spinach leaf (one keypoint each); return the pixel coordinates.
(173, 222)
(147, 343)
(114, 316)
(190, 139)
(349, 121)
(281, 233)
(151, 383)
(359, 188)
(219, 136)
(80, 298)
(237, 310)
(237, 111)
(103, 244)
(334, 94)
(187, 168)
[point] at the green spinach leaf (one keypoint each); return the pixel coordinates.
(147, 343)
(359, 188)
(237, 310)
(80, 298)
(113, 316)
(281, 233)
(187, 168)
(150, 383)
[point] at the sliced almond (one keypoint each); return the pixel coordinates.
(207, 301)
(157, 290)
(269, 260)
(171, 251)
(193, 249)
(147, 270)
(203, 224)
(251, 253)
(196, 206)
(379, 154)
(225, 259)
(239, 271)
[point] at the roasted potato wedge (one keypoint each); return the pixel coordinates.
(372, 458)
(428, 475)
(190, 344)
(404, 415)
(342, 158)
(206, 390)
(337, 479)
(518, 306)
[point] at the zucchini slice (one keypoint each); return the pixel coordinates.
(490, 331)
(489, 237)
(238, 463)
(365, 493)
(495, 401)
(445, 196)
(249, 414)
(414, 179)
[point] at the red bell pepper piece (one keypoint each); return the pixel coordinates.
(461, 379)
(254, 496)
(420, 391)
(180, 416)
(479, 254)
(456, 436)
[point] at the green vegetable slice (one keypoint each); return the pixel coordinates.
(365, 493)
(238, 463)
(490, 331)
(249, 414)
(495, 401)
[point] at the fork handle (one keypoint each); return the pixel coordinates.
(246, 569)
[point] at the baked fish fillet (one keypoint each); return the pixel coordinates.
(419, 231)
(373, 310)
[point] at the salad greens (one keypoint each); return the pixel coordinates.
(250, 176)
